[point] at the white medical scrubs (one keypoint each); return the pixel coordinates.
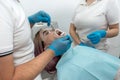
(96, 16)
(15, 33)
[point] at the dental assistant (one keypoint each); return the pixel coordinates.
(94, 21)
(17, 60)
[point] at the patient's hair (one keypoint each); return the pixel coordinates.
(39, 48)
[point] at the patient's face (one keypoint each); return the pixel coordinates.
(48, 35)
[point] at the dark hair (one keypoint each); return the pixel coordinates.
(39, 48)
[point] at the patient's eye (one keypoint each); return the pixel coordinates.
(46, 32)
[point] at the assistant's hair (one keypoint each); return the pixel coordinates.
(39, 48)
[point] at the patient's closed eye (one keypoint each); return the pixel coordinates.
(46, 32)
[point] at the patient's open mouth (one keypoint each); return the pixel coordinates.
(59, 32)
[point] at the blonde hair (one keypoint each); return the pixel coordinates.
(38, 44)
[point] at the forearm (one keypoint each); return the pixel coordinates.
(75, 37)
(113, 31)
(73, 34)
(30, 70)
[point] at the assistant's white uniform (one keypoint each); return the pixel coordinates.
(15, 33)
(96, 16)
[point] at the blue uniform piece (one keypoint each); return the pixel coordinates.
(57, 45)
(40, 16)
(96, 36)
(85, 63)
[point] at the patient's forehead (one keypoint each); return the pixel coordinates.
(45, 31)
(46, 28)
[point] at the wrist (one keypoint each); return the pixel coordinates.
(103, 33)
(31, 21)
(50, 52)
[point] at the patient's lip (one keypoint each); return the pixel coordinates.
(58, 32)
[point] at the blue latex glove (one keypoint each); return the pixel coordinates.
(83, 44)
(61, 45)
(40, 16)
(96, 36)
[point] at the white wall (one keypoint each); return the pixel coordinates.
(59, 10)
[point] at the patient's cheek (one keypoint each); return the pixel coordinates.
(50, 39)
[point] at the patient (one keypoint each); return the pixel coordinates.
(42, 40)
(78, 63)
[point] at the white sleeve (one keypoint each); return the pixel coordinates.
(112, 12)
(6, 31)
(74, 14)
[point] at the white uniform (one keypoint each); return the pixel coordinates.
(96, 16)
(15, 33)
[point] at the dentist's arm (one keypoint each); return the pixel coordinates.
(29, 70)
(26, 71)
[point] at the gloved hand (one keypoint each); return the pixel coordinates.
(82, 44)
(61, 45)
(96, 36)
(40, 16)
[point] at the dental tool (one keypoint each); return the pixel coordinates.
(59, 32)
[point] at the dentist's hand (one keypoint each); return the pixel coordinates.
(61, 45)
(96, 36)
(40, 16)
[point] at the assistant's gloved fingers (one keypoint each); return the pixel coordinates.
(94, 38)
(101, 33)
(92, 35)
(95, 41)
(82, 44)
